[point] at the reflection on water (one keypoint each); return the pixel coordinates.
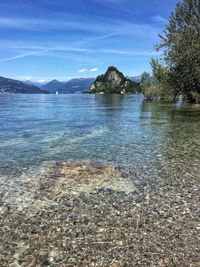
(145, 139)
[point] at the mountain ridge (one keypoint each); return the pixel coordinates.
(75, 85)
(8, 85)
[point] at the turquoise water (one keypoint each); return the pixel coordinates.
(143, 138)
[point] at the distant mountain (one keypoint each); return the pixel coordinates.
(136, 79)
(52, 86)
(8, 85)
(38, 84)
(72, 86)
(113, 82)
(77, 85)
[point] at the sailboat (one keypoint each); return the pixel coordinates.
(56, 92)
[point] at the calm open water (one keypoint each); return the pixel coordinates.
(145, 139)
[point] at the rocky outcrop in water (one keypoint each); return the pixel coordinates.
(113, 82)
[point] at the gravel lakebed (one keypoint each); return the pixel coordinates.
(83, 213)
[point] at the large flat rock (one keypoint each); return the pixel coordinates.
(79, 176)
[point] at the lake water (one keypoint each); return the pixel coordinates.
(144, 139)
(143, 212)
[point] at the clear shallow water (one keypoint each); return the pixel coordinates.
(144, 139)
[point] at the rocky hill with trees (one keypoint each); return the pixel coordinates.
(113, 82)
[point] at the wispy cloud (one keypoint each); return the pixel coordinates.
(60, 50)
(99, 28)
(159, 19)
(129, 52)
(18, 56)
(122, 5)
(111, 2)
(104, 27)
(88, 70)
(38, 50)
(37, 24)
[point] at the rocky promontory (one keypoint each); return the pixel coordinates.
(113, 82)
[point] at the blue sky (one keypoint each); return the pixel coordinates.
(62, 39)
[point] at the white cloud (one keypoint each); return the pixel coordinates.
(88, 70)
(83, 70)
(94, 69)
(25, 78)
(42, 81)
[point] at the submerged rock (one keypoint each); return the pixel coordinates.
(79, 176)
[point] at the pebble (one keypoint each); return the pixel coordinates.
(103, 225)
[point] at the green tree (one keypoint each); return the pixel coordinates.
(181, 44)
(145, 80)
(147, 86)
(161, 80)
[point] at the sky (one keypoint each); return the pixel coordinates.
(42, 40)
